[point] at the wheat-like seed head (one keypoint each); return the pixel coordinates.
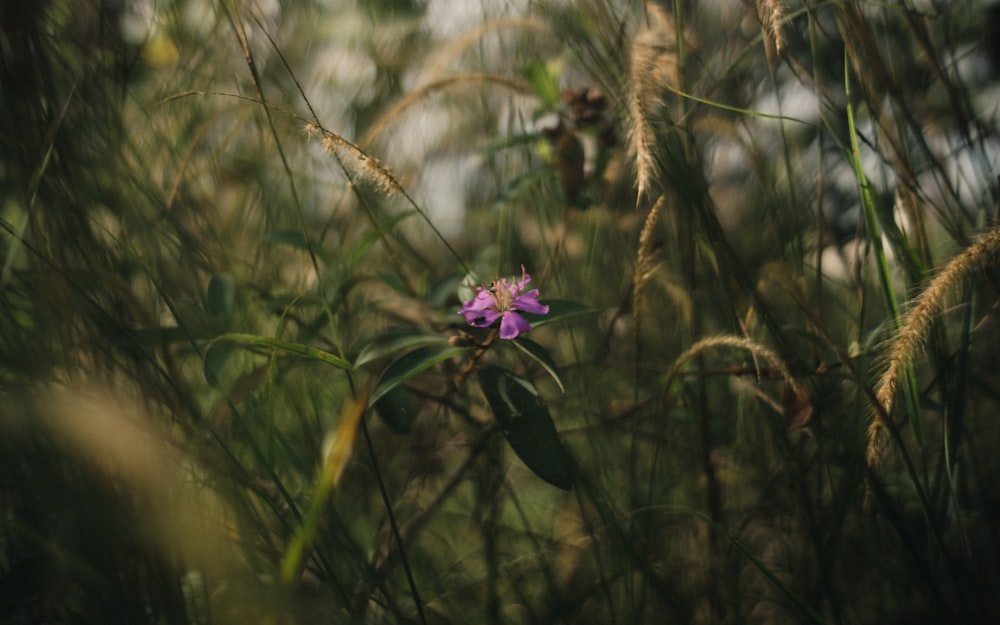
(419, 94)
(644, 258)
(438, 60)
(738, 342)
(356, 161)
(653, 66)
(907, 343)
(772, 17)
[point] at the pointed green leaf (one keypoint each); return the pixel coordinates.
(409, 365)
(371, 236)
(221, 295)
(395, 409)
(152, 337)
(541, 356)
(544, 82)
(394, 340)
(252, 340)
(559, 310)
(281, 303)
(902, 245)
(216, 357)
(520, 186)
(395, 283)
(441, 291)
(506, 141)
(527, 425)
(295, 238)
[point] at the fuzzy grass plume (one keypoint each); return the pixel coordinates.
(908, 342)
(772, 17)
(417, 95)
(644, 258)
(653, 66)
(359, 163)
(795, 388)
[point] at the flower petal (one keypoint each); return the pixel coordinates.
(528, 302)
(512, 324)
(480, 311)
(518, 286)
(482, 319)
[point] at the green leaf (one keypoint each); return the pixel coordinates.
(541, 356)
(221, 295)
(411, 364)
(544, 82)
(281, 303)
(295, 238)
(394, 340)
(252, 340)
(521, 186)
(559, 310)
(395, 409)
(443, 290)
(901, 244)
(506, 141)
(394, 282)
(527, 425)
(216, 357)
(152, 337)
(874, 234)
(371, 236)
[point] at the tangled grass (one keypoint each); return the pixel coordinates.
(234, 385)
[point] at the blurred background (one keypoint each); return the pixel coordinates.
(235, 236)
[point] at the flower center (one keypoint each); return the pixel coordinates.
(500, 290)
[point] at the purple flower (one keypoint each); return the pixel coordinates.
(501, 301)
